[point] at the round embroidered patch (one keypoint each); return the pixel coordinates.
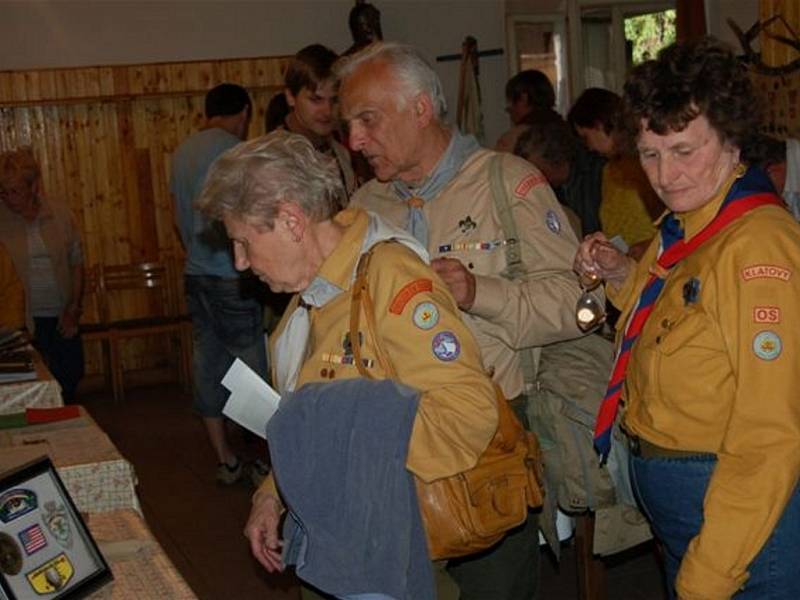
(553, 224)
(767, 345)
(446, 346)
(426, 315)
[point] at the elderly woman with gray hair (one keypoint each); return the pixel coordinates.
(42, 240)
(276, 197)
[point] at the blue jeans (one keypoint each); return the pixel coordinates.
(671, 492)
(226, 324)
(63, 356)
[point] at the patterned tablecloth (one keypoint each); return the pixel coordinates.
(42, 392)
(140, 567)
(97, 477)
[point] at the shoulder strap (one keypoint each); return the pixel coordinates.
(513, 249)
(528, 356)
(360, 297)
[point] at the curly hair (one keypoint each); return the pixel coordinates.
(690, 79)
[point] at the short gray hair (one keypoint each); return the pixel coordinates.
(408, 66)
(253, 178)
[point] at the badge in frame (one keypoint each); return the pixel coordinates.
(46, 550)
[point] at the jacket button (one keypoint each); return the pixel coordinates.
(323, 373)
(658, 339)
(331, 374)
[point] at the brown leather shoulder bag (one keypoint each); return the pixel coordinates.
(472, 510)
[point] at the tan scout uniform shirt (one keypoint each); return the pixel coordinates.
(456, 417)
(507, 315)
(719, 374)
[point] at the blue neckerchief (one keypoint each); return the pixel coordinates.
(460, 148)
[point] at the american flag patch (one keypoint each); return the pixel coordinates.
(32, 539)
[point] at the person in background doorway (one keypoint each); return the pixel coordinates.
(224, 305)
(43, 242)
(526, 92)
(629, 205)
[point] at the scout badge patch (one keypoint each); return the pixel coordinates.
(55, 517)
(426, 315)
(52, 575)
(10, 555)
(767, 345)
(15, 503)
(446, 346)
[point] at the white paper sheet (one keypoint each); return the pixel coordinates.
(252, 401)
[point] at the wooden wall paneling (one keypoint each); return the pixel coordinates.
(104, 137)
(94, 234)
(170, 113)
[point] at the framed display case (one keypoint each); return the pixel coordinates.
(46, 550)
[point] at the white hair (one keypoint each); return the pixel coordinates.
(253, 178)
(408, 66)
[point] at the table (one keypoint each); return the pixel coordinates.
(97, 477)
(141, 568)
(42, 392)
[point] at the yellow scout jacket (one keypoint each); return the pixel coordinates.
(456, 417)
(507, 315)
(715, 370)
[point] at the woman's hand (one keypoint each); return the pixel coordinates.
(262, 531)
(598, 258)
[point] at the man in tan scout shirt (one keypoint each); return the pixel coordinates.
(434, 182)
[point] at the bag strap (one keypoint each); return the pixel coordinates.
(512, 248)
(514, 268)
(360, 296)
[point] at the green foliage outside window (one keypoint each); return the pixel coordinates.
(650, 33)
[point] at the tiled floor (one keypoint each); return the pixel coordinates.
(199, 524)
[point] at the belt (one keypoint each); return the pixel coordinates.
(644, 449)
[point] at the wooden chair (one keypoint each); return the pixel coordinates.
(141, 300)
(93, 328)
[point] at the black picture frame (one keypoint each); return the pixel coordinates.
(44, 542)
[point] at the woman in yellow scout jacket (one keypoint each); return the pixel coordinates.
(707, 364)
(275, 196)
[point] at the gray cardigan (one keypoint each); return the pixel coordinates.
(339, 451)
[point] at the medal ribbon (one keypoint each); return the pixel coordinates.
(741, 199)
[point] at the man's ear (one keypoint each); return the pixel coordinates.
(290, 98)
(423, 109)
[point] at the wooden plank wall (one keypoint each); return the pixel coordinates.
(104, 137)
(781, 93)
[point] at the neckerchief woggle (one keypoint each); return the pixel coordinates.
(750, 191)
(460, 148)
